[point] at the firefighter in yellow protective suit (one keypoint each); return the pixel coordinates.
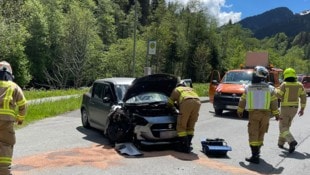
(292, 94)
(189, 105)
(260, 100)
(11, 96)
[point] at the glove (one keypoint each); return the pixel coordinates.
(19, 122)
(301, 112)
(278, 117)
(240, 114)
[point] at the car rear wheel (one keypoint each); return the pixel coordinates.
(84, 118)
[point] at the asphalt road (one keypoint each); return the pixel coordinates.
(61, 146)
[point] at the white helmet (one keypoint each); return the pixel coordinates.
(261, 71)
(5, 66)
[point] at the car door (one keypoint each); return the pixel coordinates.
(215, 79)
(100, 105)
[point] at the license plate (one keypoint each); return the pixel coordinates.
(168, 134)
(231, 107)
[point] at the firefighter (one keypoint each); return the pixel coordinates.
(189, 104)
(11, 96)
(260, 100)
(292, 94)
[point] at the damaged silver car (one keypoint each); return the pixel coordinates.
(144, 117)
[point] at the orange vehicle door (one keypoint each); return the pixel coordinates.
(215, 79)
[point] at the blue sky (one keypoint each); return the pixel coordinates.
(236, 10)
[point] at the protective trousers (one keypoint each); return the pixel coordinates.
(287, 114)
(7, 141)
(258, 126)
(189, 112)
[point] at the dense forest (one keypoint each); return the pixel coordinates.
(70, 43)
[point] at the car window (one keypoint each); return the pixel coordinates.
(270, 78)
(148, 98)
(120, 91)
(238, 77)
(107, 93)
(97, 91)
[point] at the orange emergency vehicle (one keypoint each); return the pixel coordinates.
(225, 92)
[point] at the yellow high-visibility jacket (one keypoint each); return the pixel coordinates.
(180, 93)
(12, 96)
(292, 94)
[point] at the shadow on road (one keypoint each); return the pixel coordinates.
(263, 167)
(94, 135)
(229, 115)
(295, 155)
(167, 151)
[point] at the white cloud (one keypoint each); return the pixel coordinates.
(215, 8)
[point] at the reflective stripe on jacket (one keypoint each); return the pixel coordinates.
(11, 96)
(259, 97)
(180, 93)
(290, 92)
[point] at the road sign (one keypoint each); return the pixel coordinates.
(152, 48)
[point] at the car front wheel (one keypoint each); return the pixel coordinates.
(84, 118)
(218, 111)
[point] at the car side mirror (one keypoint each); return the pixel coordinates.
(106, 99)
(271, 83)
(215, 82)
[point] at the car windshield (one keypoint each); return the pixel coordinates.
(241, 77)
(120, 91)
(148, 97)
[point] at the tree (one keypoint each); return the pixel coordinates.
(12, 39)
(80, 45)
(37, 46)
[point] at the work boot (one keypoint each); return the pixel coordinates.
(190, 138)
(183, 145)
(255, 155)
(292, 146)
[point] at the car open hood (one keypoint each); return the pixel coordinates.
(163, 83)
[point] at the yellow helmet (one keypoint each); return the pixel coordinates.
(5, 66)
(289, 72)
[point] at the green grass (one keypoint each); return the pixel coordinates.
(36, 94)
(44, 110)
(202, 89)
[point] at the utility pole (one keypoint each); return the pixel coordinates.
(134, 41)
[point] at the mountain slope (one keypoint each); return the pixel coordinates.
(275, 21)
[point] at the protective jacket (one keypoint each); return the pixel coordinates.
(290, 92)
(259, 96)
(11, 96)
(189, 104)
(180, 94)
